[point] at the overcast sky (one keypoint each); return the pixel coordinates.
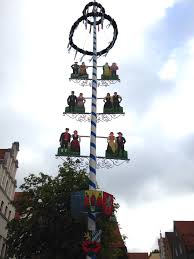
(155, 54)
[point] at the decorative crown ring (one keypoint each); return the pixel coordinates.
(86, 11)
(103, 16)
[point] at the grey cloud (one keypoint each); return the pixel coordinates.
(173, 31)
(157, 164)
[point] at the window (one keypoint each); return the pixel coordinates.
(3, 179)
(1, 207)
(180, 249)
(176, 252)
(6, 185)
(9, 216)
(3, 251)
(1, 239)
(5, 211)
(12, 193)
(9, 164)
(10, 189)
(1, 173)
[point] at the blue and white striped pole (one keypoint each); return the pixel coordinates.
(92, 165)
(92, 183)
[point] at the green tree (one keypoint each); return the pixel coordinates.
(45, 228)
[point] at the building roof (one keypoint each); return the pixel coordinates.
(2, 153)
(3, 150)
(138, 256)
(186, 230)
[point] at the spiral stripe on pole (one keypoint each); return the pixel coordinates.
(92, 175)
(92, 165)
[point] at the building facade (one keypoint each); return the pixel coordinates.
(8, 168)
(178, 244)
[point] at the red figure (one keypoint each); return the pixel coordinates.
(99, 200)
(75, 146)
(86, 200)
(65, 138)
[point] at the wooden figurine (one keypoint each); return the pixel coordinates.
(116, 99)
(75, 143)
(82, 70)
(75, 68)
(112, 145)
(72, 101)
(120, 140)
(80, 101)
(114, 69)
(65, 139)
(107, 101)
(106, 71)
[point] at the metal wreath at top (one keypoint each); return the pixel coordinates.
(94, 4)
(84, 17)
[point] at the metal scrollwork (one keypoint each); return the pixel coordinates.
(81, 82)
(108, 117)
(101, 117)
(109, 163)
(79, 117)
(102, 162)
(107, 82)
(88, 82)
(83, 162)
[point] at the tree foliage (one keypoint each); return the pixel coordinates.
(45, 228)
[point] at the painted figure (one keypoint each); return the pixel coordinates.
(65, 139)
(75, 68)
(112, 145)
(71, 101)
(120, 140)
(107, 101)
(82, 69)
(80, 101)
(114, 69)
(75, 143)
(116, 99)
(106, 70)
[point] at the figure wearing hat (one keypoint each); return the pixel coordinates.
(65, 139)
(114, 69)
(75, 68)
(72, 101)
(120, 140)
(116, 99)
(75, 143)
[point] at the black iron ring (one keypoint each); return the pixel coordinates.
(84, 17)
(97, 5)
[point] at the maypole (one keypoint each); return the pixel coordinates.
(92, 164)
(92, 184)
(93, 202)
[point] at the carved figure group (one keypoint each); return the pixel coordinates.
(74, 101)
(70, 142)
(112, 102)
(116, 144)
(79, 70)
(110, 72)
